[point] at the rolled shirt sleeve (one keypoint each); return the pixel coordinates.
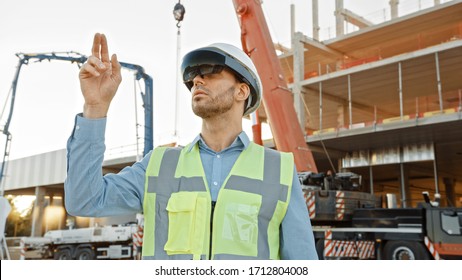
(87, 191)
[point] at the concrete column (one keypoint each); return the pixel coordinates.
(435, 170)
(315, 11)
(38, 212)
(404, 186)
(350, 101)
(92, 222)
(400, 90)
(339, 19)
(438, 81)
(320, 106)
(394, 8)
(299, 73)
(449, 184)
(292, 21)
(341, 116)
(371, 179)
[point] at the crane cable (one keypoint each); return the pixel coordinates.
(320, 138)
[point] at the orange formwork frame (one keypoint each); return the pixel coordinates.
(277, 98)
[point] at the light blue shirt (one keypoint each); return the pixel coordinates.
(89, 193)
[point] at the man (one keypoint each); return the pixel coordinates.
(220, 197)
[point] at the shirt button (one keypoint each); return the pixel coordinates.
(77, 127)
(218, 156)
(215, 183)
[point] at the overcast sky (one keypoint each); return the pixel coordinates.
(141, 32)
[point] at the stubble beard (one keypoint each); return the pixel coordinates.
(214, 106)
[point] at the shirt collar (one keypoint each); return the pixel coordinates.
(241, 139)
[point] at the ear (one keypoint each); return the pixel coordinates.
(243, 92)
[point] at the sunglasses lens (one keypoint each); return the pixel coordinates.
(205, 69)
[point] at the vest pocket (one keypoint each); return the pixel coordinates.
(182, 212)
(236, 223)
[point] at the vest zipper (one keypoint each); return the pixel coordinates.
(211, 229)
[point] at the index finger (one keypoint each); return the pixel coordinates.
(104, 49)
(96, 46)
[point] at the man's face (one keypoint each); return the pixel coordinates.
(213, 94)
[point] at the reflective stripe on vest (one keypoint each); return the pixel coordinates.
(249, 210)
(159, 189)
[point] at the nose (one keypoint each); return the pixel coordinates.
(199, 79)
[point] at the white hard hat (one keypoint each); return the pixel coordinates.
(221, 54)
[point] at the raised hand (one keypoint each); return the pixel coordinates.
(99, 79)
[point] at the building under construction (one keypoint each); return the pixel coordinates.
(384, 101)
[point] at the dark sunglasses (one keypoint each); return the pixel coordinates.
(205, 69)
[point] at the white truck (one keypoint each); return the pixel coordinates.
(108, 242)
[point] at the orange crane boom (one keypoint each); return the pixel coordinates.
(277, 98)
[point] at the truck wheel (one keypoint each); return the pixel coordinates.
(85, 254)
(64, 254)
(405, 250)
(320, 248)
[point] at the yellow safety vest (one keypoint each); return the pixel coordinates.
(247, 215)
